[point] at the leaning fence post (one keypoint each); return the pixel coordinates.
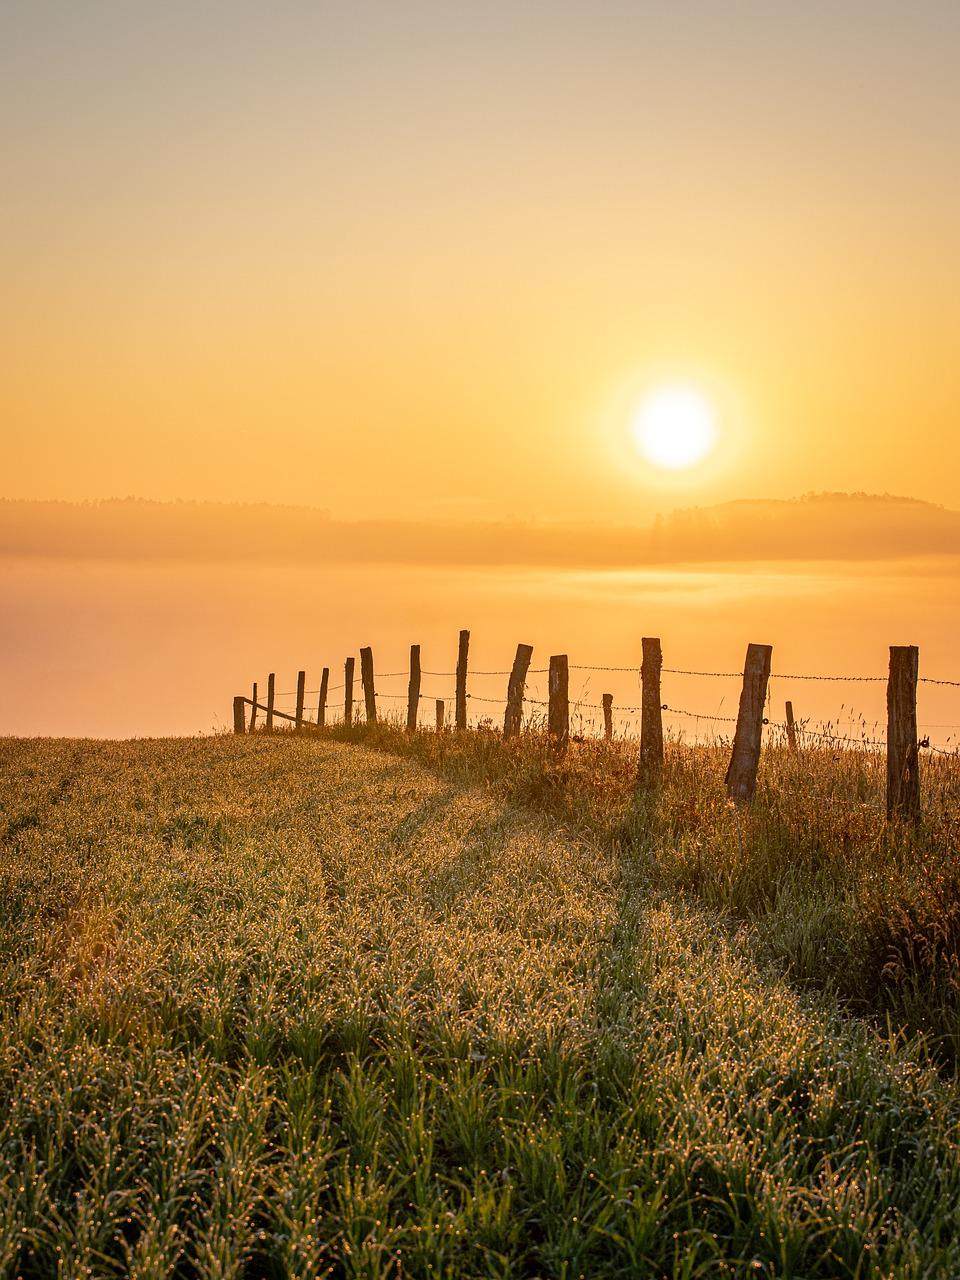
(348, 692)
(271, 699)
(461, 705)
(651, 711)
(239, 714)
(301, 689)
(513, 715)
(903, 757)
(253, 708)
(369, 693)
(558, 705)
(322, 703)
(440, 715)
(791, 728)
(745, 759)
(608, 716)
(413, 689)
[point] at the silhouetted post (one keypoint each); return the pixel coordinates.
(514, 713)
(322, 704)
(239, 714)
(745, 760)
(791, 728)
(413, 689)
(608, 717)
(440, 715)
(271, 699)
(348, 692)
(301, 690)
(366, 675)
(558, 705)
(651, 711)
(253, 708)
(461, 706)
(903, 757)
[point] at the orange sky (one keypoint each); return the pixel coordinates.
(420, 260)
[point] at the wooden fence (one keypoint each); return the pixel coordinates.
(902, 745)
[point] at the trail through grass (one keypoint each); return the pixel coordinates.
(279, 1007)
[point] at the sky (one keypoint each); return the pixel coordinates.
(423, 260)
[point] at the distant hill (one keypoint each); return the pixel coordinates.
(814, 527)
(848, 526)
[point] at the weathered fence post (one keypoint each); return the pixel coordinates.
(239, 714)
(271, 699)
(651, 711)
(413, 689)
(301, 689)
(791, 728)
(348, 692)
(253, 708)
(322, 703)
(440, 715)
(513, 715)
(745, 759)
(558, 705)
(608, 717)
(461, 707)
(903, 757)
(369, 693)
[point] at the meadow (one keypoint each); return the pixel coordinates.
(369, 1005)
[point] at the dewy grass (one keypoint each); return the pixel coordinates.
(840, 899)
(286, 1007)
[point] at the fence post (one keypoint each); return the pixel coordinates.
(239, 714)
(461, 707)
(745, 759)
(440, 715)
(514, 712)
(903, 757)
(253, 708)
(271, 698)
(301, 688)
(558, 705)
(348, 692)
(608, 717)
(791, 728)
(369, 693)
(322, 704)
(413, 689)
(651, 711)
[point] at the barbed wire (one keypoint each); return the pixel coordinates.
(332, 713)
(851, 678)
(333, 716)
(838, 737)
(578, 666)
(826, 677)
(533, 671)
(698, 715)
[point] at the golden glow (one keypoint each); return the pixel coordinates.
(675, 427)
(425, 343)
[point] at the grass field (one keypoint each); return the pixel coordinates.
(841, 901)
(284, 1007)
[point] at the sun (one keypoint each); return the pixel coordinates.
(675, 427)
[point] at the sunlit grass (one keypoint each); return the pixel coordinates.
(840, 898)
(282, 1007)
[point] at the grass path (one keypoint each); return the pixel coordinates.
(278, 1008)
